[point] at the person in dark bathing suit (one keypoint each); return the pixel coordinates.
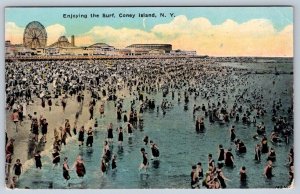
(154, 150)
(221, 177)
(125, 119)
(241, 148)
(194, 178)
(113, 162)
(119, 114)
(232, 133)
(66, 169)
(56, 158)
(197, 126)
(257, 153)
(264, 144)
(221, 156)
(38, 162)
(144, 165)
(18, 168)
(201, 123)
(211, 163)
(68, 127)
(44, 127)
(49, 103)
(106, 152)
(200, 170)
(103, 165)
(243, 175)
(146, 140)
(90, 139)
(268, 170)
(271, 155)
(110, 133)
(120, 136)
(129, 129)
(80, 168)
(81, 136)
(229, 159)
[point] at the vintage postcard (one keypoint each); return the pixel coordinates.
(149, 97)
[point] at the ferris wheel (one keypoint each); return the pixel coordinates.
(35, 35)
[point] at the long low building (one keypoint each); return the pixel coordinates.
(166, 47)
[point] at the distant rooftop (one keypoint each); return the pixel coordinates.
(62, 42)
(99, 45)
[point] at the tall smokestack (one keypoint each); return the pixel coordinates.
(73, 40)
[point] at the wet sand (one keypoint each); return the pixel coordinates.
(56, 118)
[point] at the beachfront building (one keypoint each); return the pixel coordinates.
(101, 49)
(63, 42)
(123, 52)
(16, 50)
(157, 52)
(179, 52)
(70, 51)
(166, 47)
(64, 47)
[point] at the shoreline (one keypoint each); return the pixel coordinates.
(21, 144)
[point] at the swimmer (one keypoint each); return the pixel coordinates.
(232, 133)
(221, 155)
(110, 135)
(229, 159)
(194, 178)
(114, 162)
(257, 152)
(18, 168)
(81, 136)
(268, 170)
(243, 174)
(211, 163)
(264, 144)
(101, 110)
(103, 166)
(144, 165)
(106, 151)
(56, 158)
(154, 150)
(271, 155)
(90, 139)
(221, 177)
(120, 136)
(129, 129)
(37, 158)
(80, 168)
(66, 169)
(200, 170)
(146, 139)
(240, 146)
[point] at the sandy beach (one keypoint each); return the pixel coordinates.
(56, 118)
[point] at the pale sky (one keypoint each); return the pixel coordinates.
(214, 31)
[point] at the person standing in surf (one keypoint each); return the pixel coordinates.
(110, 135)
(66, 169)
(79, 166)
(145, 163)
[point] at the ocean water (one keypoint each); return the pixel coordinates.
(179, 144)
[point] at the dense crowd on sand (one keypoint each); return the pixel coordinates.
(53, 84)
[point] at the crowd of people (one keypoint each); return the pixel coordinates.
(223, 104)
